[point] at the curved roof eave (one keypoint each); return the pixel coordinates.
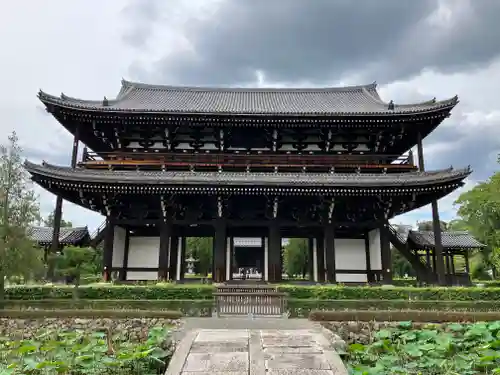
(317, 180)
(276, 105)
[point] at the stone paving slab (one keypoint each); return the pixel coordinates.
(218, 362)
(255, 352)
(297, 361)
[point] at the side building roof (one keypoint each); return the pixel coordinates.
(67, 236)
(450, 240)
(329, 101)
(180, 179)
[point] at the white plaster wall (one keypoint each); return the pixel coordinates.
(118, 246)
(375, 253)
(351, 278)
(350, 255)
(143, 252)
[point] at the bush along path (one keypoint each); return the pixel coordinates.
(166, 291)
(76, 352)
(447, 349)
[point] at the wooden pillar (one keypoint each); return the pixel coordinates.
(265, 268)
(173, 258)
(369, 273)
(107, 257)
(466, 259)
(385, 249)
(427, 258)
(439, 269)
(76, 141)
(329, 251)
(275, 267)
(229, 258)
(438, 244)
(219, 271)
(126, 250)
(311, 260)
(320, 251)
(183, 258)
(58, 209)
(163, 256)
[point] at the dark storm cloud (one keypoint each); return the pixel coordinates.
(321, 40)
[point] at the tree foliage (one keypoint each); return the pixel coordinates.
(295, 257)
(73, 262)
(427, 226)
(49, 222)
(200, 249)
(18, 210)
(480, 212)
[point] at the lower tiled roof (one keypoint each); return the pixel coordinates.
(450, 240)
(246, 179)
(67, 236)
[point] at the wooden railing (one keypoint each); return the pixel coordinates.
(259, 303)
(93, 160)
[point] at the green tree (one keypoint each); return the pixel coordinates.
(73, 262)
(18, 210)
(479, 209)
(295, 257)
(201, 249)
(429, 227)
(49, 222)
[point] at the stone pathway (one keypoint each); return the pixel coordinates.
(255, 352)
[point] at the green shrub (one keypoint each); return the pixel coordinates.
(186, 307)
(110, 291)
(300, 308)
(391, 293)
(168, 291)
(409, 315)
(111, 314)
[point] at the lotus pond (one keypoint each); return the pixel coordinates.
(452, 349)
(79, 353)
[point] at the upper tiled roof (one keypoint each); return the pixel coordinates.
(335, 101)
(247, 179)
(450, 240)
(67, 236)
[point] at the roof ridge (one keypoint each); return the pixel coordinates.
(126, 85)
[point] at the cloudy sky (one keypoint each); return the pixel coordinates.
(415, 50)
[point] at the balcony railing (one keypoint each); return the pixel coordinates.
(237, 161)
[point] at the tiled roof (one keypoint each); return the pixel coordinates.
(335, 101)
(67, 236)
(247, 179)
(450, 240)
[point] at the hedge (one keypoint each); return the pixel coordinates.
(110, 291)
(201, 292)
(410, 315)
(391, 293)
(110, 314)
(190, 308)
(297, 308)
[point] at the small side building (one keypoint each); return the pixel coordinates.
(42, 236)
(455, 244)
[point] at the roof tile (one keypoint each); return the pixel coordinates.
(244, 178)
(67, 236)
(282, 101)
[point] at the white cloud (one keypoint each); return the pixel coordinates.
(447, 208)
